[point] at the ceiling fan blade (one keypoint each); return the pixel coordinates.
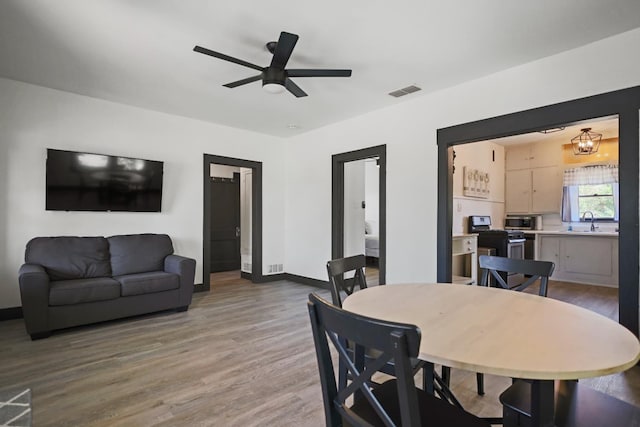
(294, 88)
(284, 47)
(219, 55)
(244, 81)
(319, 73)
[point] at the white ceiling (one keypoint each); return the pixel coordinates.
(139, 52)
(607, 126)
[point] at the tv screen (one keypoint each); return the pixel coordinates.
(97, 182)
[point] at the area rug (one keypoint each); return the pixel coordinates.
(15, 408)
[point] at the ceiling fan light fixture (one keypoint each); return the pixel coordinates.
(586, 143)
(273, 87)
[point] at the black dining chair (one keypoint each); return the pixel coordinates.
(393, 403)
(500, 267)
(341, 285)
(532, 270)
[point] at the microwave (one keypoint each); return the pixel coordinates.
(523, 222)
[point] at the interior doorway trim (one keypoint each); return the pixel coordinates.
(256, 217)
(626, 104)
(337, 202)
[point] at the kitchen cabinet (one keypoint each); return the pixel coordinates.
(583, 258)
(537, 190)
(533, 182)
(534, 155)
(464, 262)
(549, 250)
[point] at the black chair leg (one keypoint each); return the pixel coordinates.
(446, 375)
(480, 381)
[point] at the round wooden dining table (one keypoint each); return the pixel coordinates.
(505, 333)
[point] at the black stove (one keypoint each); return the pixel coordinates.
(507, 243)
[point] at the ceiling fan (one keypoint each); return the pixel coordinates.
(275, 78)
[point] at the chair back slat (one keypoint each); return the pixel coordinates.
(538, 270)
(393, 341)
(340, 284)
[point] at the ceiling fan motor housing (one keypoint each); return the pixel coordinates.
(273, 76)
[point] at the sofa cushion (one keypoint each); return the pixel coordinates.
(70, 257)
(146, 283)
(138, 253)
(68, 292)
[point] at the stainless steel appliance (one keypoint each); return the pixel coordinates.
(523, 222)
(507, 243)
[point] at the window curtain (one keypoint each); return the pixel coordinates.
(593, 175)
(587, 175)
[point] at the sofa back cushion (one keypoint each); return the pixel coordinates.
(66, 258)
(138, 253)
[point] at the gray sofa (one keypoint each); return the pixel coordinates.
(70, 281)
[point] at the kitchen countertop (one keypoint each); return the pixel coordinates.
(464, 234)
(574, 233)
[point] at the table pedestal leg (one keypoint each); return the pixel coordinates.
(542, 403)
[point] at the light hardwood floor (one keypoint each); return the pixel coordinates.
(241, 356)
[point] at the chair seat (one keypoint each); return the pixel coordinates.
(434, 412)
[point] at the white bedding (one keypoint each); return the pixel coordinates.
(372, 245)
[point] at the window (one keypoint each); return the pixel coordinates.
(591, 189)
(600, 199)
(597, 199)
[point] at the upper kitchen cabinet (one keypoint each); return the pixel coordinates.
(534, 155)
(537, 190)
(533, 181)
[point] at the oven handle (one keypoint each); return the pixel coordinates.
(517, 240)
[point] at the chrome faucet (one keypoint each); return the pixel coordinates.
(593, 227)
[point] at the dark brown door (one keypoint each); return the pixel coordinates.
(225, 224)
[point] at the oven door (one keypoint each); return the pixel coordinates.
(515, 248)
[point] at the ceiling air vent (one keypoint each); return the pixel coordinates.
(404, 91)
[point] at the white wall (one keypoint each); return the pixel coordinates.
(409, 130)
(372, 195)
(222, 171)
(354, 195)
(246, 230)
(479, 155)
(33, 118)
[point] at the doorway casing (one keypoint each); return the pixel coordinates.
(256, 216)
(337, 202)
(625, 104)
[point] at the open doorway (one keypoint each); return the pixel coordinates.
(625, 104)
(563, 201)
(232, 220)
(358, 209)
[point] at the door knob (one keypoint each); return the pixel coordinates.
(237, 231)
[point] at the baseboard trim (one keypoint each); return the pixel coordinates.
(270, 278)
(11, 313)
(245, 275)
(316, 283)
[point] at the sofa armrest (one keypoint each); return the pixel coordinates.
(186, 269)
(34, 292)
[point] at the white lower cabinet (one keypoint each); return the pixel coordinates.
(583, 259)
(464, 263)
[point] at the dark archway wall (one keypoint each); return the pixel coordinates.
(624, 103)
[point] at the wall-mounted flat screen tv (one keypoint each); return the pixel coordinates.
(97, 182)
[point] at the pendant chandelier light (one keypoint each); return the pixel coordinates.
(586, 143)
